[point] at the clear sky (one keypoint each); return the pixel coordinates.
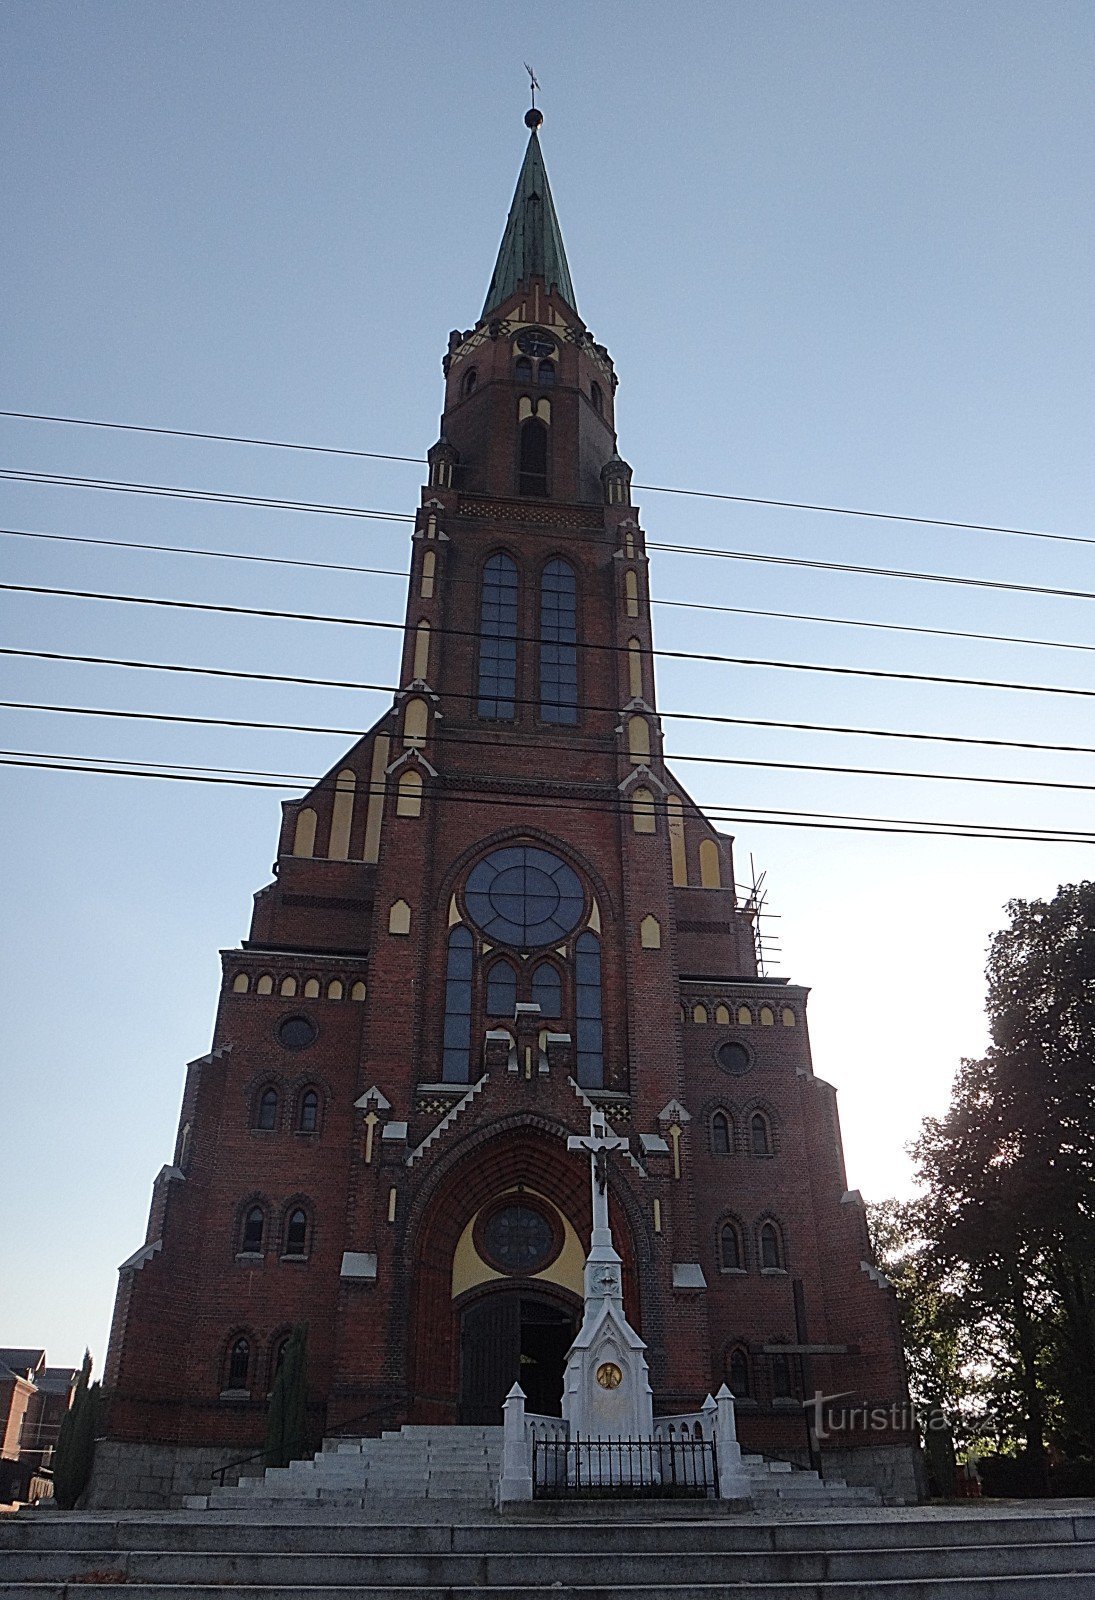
(839, 253)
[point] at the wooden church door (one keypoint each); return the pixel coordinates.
(490, 1357)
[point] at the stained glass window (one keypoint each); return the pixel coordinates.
(519, 1239)
(498, 638)
(501, 990)
(558, 643)
(456, 1058)
(524, 897)
(547, 990)
(587, 986)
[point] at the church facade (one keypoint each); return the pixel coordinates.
(499, 910)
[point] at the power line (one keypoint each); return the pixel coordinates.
(655, 600)
(743, 722)
(842, 821)
(585, 747)
(438, 630)
(323, 508)
(649, 488)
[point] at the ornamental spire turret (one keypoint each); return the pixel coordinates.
(532, 245)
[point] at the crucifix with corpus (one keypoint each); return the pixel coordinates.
(602, 1264)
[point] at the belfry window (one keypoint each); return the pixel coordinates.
(456, 1057)
(545, 374)
(498, 639)
(532, 468)
(501, 990)
(587, 986)
(558, 643)
(522, 369)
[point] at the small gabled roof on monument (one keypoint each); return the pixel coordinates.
(532, 245)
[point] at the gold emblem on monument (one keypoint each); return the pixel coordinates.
(609, 1375)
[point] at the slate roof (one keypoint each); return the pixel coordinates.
(532, 245)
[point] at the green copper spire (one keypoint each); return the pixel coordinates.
(532, 245)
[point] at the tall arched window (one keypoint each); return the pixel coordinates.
(501, 990)
(296, 1232)
(456, 1058)
(532, 468)
(597, 398)
(738, 1373)
(471, 378)
(590, 1038)
(498, 638)
(547, 990)
(254, 1229)
(558, 643)
(731, 1254)
(722, 1134)
(308, 1112)
(760, 1135)
(267, 1117)
(783, 1380)
(239, 1365)
(522, 369)
(771, 1247)
(545, 374)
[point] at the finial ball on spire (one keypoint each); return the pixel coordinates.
(533, 118)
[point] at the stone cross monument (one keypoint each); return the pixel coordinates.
(606, 1386)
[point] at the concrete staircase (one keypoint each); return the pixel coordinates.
(612, 1552)
(460, 1467)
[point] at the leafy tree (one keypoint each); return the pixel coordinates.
(286, 1418)
(76, 1440)
(1008, 1215)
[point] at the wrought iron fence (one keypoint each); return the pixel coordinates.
(571, 1469)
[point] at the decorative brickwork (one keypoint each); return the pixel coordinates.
(360, 1082)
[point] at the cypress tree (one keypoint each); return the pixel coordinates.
(286, 1418)
(76, 1441)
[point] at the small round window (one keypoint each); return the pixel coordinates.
(297, 1033)
(733, 1057)
(518, 1238)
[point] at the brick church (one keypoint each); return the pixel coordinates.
(499, 909)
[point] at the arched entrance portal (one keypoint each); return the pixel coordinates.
(513, 1335)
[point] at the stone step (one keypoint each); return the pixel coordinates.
(550, 1529)
(669, 1573)
(1017, 1586)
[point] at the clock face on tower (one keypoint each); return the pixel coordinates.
(534, 343)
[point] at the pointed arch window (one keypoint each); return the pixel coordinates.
(532, 461)
(498, 638)
(597, 398)
(267, 1118)
(559, 643)
(731, 1253)
(456, 1057)
(296, 1232)
(738, 1373)
(771, 1248)
(308, 1112)
(501, 990)
(590, 1035)
(239, 1364)
(760, 1135)
(547, 990)
(254, 1231)
(722, 1134)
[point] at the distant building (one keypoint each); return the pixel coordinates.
(500, 908)
(33, 1400)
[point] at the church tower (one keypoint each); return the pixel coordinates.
(498, 911)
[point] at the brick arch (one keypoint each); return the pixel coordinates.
(526, 1150)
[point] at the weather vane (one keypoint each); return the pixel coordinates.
(533, 84)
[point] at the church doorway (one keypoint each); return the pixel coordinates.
(512, 1336)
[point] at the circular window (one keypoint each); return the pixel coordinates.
(518, 1237)
(525, 897)
(733, 1058)
(297, 1033)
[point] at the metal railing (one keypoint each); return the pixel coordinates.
(220, 1473)
(571, 1469)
